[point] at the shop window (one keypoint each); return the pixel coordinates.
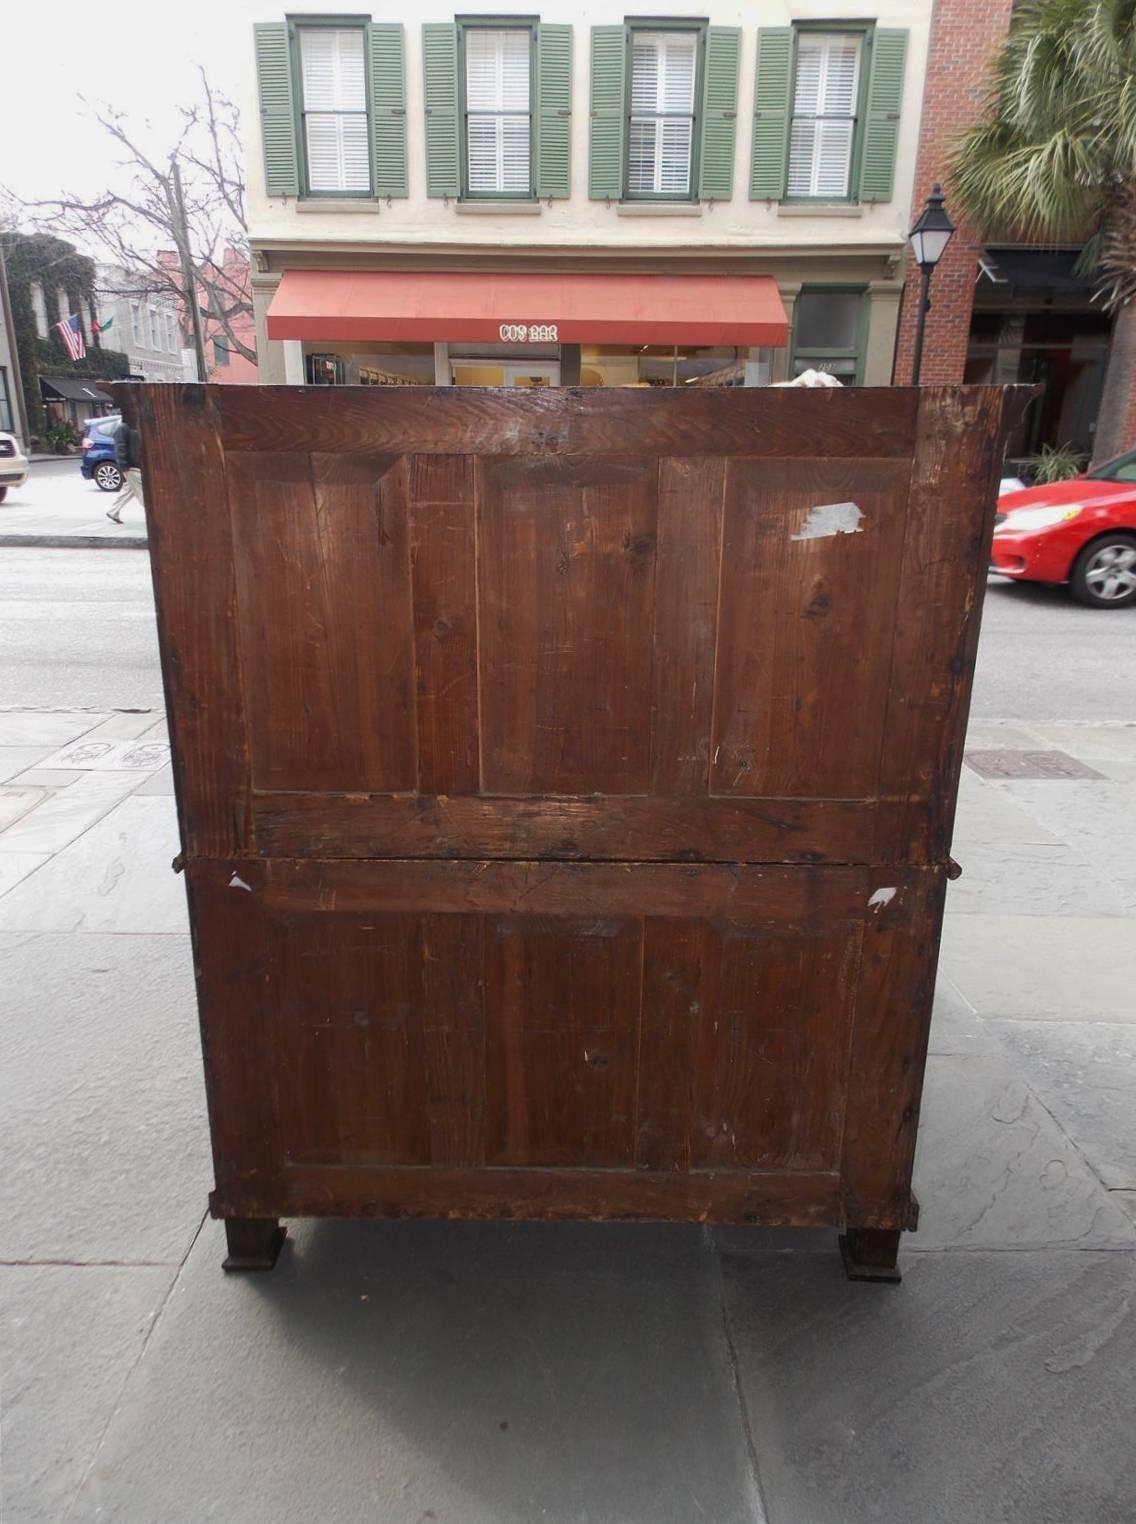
(497, 81)
(333, 110)
(662, 125)
(828, 332)
(826, 91)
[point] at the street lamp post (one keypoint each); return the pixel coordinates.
(929, 237)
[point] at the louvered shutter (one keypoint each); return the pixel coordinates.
(498, 72)
(607, 100)
(277, 110)
(440, 94)
(333, 80)
(719, 113)
(554, 111)
(772, 87)
(885, 102)
(824, 115)
(386, 68)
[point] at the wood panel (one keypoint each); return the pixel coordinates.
(567, 587)
(323, 571)
(563, 999)
(871, 423)
(195, 593)
(378, 1041)
(444, 562)
(805, 636)
(620, 829)
(745, 1041)
(772, 1197)
(686, 624)
(941, 583)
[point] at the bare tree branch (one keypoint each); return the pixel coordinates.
(134, 222)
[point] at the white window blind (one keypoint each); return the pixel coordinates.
(661, 136)
(824, 114)
(498, 111)
(335, 108)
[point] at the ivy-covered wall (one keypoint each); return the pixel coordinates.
(67, 279)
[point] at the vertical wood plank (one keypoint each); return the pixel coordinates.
(673, 993)
(686, 619)
(325, 615)
(444, 561)
(195, 591)
(567, 568)
(805, 629)
(562, 1012)
(942, 581)
(889, 1048)
(449, 999)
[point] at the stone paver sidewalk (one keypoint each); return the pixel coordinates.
(415, 1373)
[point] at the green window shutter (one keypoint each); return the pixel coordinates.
(386, 79)
(719, 113)
(772, 92)
(553, 111)
(440, 93)
(608, 107)
(881, 127)
(277, 113)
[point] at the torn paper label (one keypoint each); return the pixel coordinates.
(881, 898)
(829, 519)
(237, 882)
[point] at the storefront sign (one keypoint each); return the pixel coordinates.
(529, 333)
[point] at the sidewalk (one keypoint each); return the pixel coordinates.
(57, 508)
(447, 1373)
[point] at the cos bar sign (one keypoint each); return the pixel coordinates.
(529, 333)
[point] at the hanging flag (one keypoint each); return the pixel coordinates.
(101, 328)
(70, 330)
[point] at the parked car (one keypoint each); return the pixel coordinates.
(13, 464)
(98, 463)
(1081, 531)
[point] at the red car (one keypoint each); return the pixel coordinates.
(1082, 532)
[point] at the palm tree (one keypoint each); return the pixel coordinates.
(1055, 160)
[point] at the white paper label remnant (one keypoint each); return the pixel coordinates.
(881, 898)
(237, 882)
(829, 519)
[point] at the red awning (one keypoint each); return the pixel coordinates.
(468, 307)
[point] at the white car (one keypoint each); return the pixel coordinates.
(13, 464)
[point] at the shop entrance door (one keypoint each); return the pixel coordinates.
(493, 372)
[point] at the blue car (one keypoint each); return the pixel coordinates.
(98, 463)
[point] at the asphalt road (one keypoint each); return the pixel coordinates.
(77, 629)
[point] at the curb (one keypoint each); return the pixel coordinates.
(76, 541)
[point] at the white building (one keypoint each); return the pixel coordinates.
(142, 324)
(583, 196)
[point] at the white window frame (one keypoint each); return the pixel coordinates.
(137, 332)
(346, 118)
(498, 115)
(829, 41)
(660, 190)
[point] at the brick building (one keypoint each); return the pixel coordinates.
(1000, 312)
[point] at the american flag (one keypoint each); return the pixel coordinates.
(71, 332)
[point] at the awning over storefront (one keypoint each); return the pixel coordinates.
(468, 307)
(68, 389)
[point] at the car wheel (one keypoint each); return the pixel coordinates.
(3, 493)
(108, 478)
(1104, 574)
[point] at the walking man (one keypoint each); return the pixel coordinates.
(131, 476)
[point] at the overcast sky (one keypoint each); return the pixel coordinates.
(140, 55)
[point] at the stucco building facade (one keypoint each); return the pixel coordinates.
(583, 197)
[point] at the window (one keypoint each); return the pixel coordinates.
(155, 329)
(826, 92)
(220, 352)
(661, 130)
(39, 309)
(334, 110)
(171, 333)
(827, 332)
(136, 323)
(498, 110)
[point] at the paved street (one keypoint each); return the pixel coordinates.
(433, 1373)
